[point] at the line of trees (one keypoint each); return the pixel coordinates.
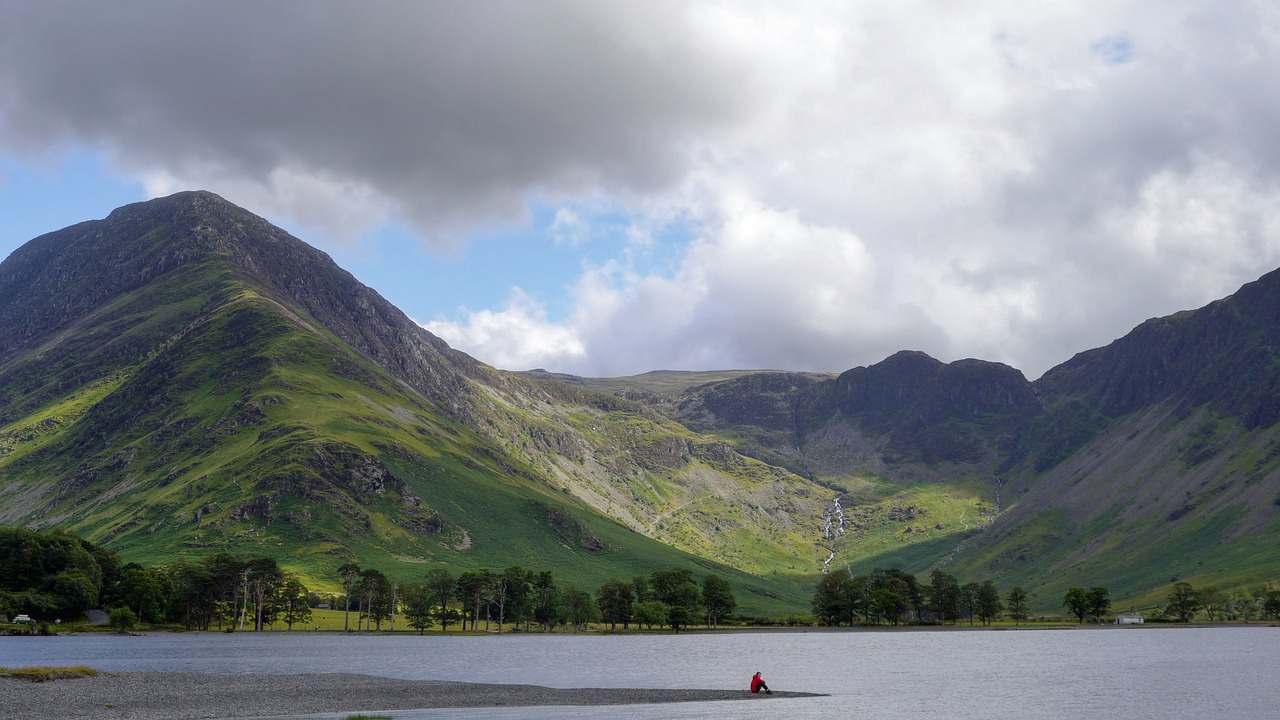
(1186, 603)
(51, 575)
(1088, 604)
(894, 597)
(57, 575)
(516, 597)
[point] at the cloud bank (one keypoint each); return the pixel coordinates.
(1016, 182)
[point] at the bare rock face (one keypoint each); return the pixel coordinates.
(926, 411)
(1222, 355)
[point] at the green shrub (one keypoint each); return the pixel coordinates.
(123, 619)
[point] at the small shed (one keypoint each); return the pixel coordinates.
(1129, 619)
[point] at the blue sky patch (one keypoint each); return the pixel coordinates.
(1115, 49)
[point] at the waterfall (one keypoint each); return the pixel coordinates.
(833, 526)
(826, 564)
(833, 520)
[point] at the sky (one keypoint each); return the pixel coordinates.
(607, 188)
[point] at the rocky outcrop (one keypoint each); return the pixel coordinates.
(1223, 355)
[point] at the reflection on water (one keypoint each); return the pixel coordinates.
(1103, 674)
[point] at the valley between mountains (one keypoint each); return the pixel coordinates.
(183, 378)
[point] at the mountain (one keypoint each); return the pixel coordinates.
(1155, 459)
(183, 377)
(1151, 460)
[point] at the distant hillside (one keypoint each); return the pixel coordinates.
(1154, 459)
(182, 377)
(656, 384)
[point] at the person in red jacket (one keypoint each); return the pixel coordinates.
(757, 684)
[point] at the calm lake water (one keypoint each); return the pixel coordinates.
(1099, 674)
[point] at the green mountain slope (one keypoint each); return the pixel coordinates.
(1166, 461)
(183, 377)
(1152, 460)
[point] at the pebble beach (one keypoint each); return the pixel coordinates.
(178, 696)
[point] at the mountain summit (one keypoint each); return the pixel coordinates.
(183, 376)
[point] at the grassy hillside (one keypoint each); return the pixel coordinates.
(1183, 495)
(291, 447)
(236, 391)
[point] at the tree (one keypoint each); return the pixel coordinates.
(906, 587)
(717, 598)
(264, 580)
(1211, 601)
(1018, 607)
(228, 591)
(650, 613)
(496, 594)
(944, 596)
(1099, 599)
(350, 574)
(419, 607)
(1240, 605)
(988, 602)
(887, 605)
(293, 601)
(122, 619)
(375, 597)
(833, 601)
(471, 590)
(194, 599)
(546, 600)
(1271, 601)
(446, 616)
(579, 608)
(139, 589)
(679, 592)
(439, 588)
(615, 599)
(969, 600)
(641, 586)
(395, 587)
(72, 593)
(519, 593)
(29, 559)
(1077, 603)
(1184, 602)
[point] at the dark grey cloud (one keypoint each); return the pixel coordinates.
(448, 110)
(1016, 183)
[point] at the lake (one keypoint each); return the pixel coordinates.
(1093, 673)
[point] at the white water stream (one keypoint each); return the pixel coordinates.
(833, 526)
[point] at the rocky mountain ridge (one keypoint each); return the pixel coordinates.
(182, 376)
(1165, 440)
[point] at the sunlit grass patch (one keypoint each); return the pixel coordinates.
(45, 674)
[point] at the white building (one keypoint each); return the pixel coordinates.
(1129, 619)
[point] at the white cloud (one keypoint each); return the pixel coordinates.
(763, 290)
(1011, 181)
(518, 336)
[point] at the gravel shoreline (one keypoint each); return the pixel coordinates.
(180, 696)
